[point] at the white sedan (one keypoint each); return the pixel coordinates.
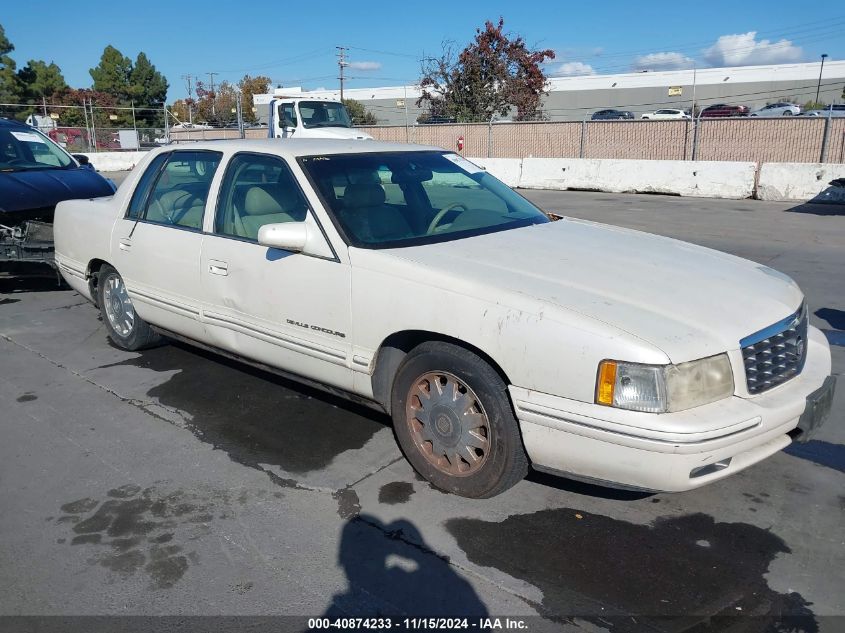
(665, 114)
(408, 278)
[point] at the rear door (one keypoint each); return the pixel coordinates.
(156, 245)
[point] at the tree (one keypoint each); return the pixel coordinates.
(147, 91)
(147, 86)
(358, 113)
(74, 116)
(495, 73)
(216, 107)
(9, 84)
(41, 80)
(113, 74)
(250, 86)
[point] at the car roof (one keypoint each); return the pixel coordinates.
(292, 147)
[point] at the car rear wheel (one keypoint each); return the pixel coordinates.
(125, 328)
(454, 422)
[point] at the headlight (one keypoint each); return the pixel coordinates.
(664, 388)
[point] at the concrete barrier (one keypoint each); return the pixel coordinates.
(800, 181)
(508, 170)
(115, 161)
(708, 179)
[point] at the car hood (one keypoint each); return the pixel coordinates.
(686, 300)
(22, 191)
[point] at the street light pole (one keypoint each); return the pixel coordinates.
(819, 85)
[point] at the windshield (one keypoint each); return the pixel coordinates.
(387, 200)
(26, 149)
(323, 114)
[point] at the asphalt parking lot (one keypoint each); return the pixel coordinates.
(176, 482)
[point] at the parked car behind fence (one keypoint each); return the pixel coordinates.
(612, 115)
(723, 110)
(778, 109)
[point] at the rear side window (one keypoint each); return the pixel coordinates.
(139, 198)
(180, 192)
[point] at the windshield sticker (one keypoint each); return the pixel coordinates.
(463, 163)
(29, 137)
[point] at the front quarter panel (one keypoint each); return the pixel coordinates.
(538, 346)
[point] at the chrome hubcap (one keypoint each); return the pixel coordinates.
(118, 306)
(448, 423)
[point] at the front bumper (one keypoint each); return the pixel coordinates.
(674, 451)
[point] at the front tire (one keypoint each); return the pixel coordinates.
(454, 421)
(125, 328)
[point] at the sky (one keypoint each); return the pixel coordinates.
(294, 43)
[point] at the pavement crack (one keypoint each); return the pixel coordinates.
(375, 472)
(144, 405)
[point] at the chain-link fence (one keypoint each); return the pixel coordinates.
(91, 127)
(796, 139)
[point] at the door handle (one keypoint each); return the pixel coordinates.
(124, 244)
(216, 267)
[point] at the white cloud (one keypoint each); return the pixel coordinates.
(573, 69)
(365, 65)
(663, 61)
(743, 49)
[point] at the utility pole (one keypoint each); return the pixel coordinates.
(341, 64)
(188, 79)
(211, 77)
(819, 85)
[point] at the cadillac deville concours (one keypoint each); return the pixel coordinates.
(497, 340)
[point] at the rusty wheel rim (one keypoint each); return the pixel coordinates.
(448, 424)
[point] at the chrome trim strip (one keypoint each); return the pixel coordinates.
(72, 271)
(159, 302)
(335, 356)
(774, 328)
(561, 416)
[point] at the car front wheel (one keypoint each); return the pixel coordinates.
(125, 328)
(454, 422)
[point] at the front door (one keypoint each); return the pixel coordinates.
(287, 310)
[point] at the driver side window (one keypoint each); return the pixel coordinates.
(257, 189)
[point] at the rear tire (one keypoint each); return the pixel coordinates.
(125, 328)
(454, 421)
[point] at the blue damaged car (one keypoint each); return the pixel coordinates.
(35, 175)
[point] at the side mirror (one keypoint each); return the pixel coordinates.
(83, 160)
(288, 236)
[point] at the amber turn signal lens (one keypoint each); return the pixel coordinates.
(606, 382)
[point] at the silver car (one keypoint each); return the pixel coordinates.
(778, 109)
(836, 111)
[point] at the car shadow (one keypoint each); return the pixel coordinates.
(831, 201)
(835, 318)
(583, 488)
(15, 278)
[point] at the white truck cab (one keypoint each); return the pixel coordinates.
(310, 117)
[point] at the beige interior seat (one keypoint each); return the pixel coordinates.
(368, 218)
(266, 204)
(183, 206)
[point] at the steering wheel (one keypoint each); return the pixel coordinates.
(441, 214)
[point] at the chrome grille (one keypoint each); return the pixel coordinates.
(776, 353)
